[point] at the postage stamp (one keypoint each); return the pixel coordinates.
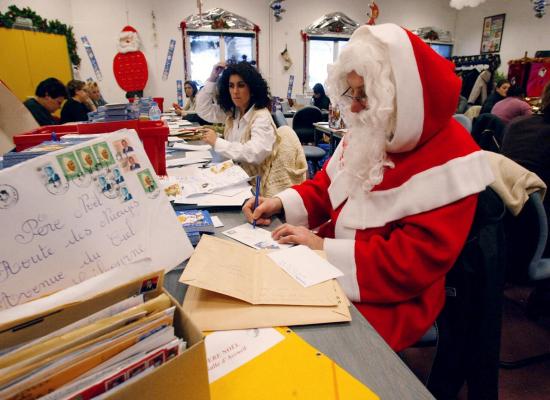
(69, 165)
(87, 159)
(103, 154)
(148, 183)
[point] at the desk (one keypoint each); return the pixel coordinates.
(334, 134)
(354, 345)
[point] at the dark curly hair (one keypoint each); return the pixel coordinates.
(259, 92)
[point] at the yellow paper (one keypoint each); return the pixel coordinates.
(292, 369)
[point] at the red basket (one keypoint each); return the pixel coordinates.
(153, 135)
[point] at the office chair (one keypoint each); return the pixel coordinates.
(302, 123)
(467, 331)
(279, 118)
(487, 131)
(526, 237)
(464, 121)
(314, 155)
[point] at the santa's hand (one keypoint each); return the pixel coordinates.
(216, 71)
(290, 234)
(209, 136)
(267, 206)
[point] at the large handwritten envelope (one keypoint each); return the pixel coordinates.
(247, 274)
(79, 212)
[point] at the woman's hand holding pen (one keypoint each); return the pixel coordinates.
(267, 206)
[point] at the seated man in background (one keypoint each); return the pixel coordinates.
(394, 205)
(527, 141)
(49, 95)
(75, 108)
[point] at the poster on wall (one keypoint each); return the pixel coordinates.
(492, 33)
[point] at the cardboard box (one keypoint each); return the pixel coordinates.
(183, 377)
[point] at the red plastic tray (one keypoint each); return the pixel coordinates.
(153, 135)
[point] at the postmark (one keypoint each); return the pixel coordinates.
(8, 196)
(51, 179)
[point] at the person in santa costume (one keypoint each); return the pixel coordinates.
(393, 206)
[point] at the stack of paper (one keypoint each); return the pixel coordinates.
(248, 285)
(94, 354)
(223, 184)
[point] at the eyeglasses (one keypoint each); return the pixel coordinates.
(361, 99)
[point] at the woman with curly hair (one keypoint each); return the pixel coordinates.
(250, 136)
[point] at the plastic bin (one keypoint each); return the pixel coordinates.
(153, 135)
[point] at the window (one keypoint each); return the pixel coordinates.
(207, 48)
(322, 51)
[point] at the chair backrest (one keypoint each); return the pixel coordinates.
(469, 326)
(487, 131)
(279, 118)
(302, 123)
(526, 237)
(464, 121)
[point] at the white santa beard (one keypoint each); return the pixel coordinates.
(365, 158)
(128, 42)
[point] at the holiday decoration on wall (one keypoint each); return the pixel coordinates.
(179, 92)
(287, 61)
(373, 13)
(335, 22)
(91, 56)
(540, 7)
(40, 24)
(169, 58)
(154, 29)
(130, 65)
(277, 7)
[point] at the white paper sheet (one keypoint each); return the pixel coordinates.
(185, 161)
(305, 266)
(79, 212)
(228, 350)
(192, 147)
(257, 238)
(204, 154)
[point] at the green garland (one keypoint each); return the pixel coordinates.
(42, 25)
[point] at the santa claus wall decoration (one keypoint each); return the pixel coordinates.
(130, 65)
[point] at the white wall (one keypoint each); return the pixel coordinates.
(522, 31)
(102, 20)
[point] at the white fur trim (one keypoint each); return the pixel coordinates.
(295, 210)
(409, 95)
(341, 253)
(425, 191)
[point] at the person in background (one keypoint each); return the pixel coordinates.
(498, 94)
(320, 99)
(250, 136)
(377, 207)
(94, 95)
(512, 106)
(190, 88)
(527, 141)
(75, 108)
(49, 95)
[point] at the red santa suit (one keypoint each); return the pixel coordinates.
(396, 242)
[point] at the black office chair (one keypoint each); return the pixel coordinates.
(467, 332)
(314, 155)
(302, 123)
(487, 131)
(526, 241)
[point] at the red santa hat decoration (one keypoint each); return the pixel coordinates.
(130, 65)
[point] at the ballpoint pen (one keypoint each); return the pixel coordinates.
(258, 181)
